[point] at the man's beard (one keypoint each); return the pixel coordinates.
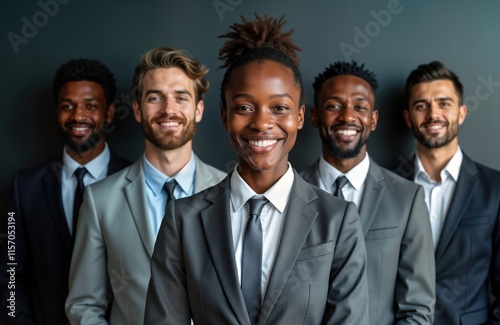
(340, 153)
(167, 141)
(88, 144)
(436, 142)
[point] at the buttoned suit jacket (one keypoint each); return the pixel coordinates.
(468, 251)
(398, 238)
(43, 245)
(318, 276)
(114, 244)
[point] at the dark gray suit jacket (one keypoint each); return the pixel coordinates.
(319, 275)
(399, 247)
(468, 251)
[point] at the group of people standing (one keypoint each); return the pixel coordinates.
(169, 239)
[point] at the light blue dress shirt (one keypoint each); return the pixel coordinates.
(157, 197)
(97, 169)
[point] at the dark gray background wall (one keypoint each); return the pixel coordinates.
(391, 37)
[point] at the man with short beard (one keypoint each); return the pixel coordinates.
(121, 216)
(392, 210)
(463, 198)
(44, 199)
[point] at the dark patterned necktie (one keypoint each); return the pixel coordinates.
(80, 187)
(169, 189)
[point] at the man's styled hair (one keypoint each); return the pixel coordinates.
(343, 68)
(259, 40)
(86, 70)
(165, 57)
(431, 72)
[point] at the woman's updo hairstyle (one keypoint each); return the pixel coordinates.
(259, 40)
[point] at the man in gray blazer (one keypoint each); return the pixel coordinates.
(393, 213)
(120, 216)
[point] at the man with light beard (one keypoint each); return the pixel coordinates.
(44, 200)
(463, 198)
(120, 216)
(392, 210)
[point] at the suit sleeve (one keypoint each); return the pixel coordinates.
(14, 238)
(88, 283)
(415, 287)
(347, 301)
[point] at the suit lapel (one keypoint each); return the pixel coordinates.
(298, 221)
(216, 222)
(372, 195)
(136, 198)
(52, 191)
(465, 186)
(202, 177)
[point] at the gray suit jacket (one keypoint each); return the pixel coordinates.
(319, 274)
(113, 247)
(395, 221)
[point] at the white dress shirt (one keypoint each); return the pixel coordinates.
(353, 190)
(272, 219)
(438, 195)
(97, 169)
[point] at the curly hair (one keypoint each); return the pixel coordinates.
(342, 68)
(259, 40)
(431, 72)
(165, 57)
(86, 70)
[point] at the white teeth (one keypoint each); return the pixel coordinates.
(262, 143)
(347, 132)
(435, 127)
(170, 123)
(80, 129)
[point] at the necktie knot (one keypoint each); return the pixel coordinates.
(79, 174)
(256, 205)
(169, 188)
(339, 184)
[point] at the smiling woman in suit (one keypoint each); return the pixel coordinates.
(301, 258)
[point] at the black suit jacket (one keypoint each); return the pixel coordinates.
(43, 246)
(468, 251)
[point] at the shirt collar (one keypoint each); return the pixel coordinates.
(95, 167)
(278, 194)
(452, 168)
(155, 179)
(356, 176)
